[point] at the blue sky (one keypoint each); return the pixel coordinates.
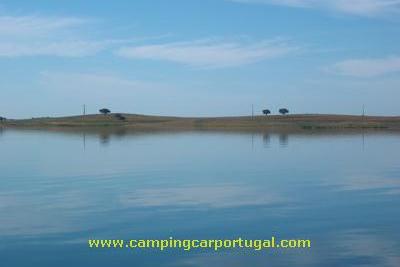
(199, 57)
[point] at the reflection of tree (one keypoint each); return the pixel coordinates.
(266, 139)
(283, 140)
(1, 131)
(120, 133)
(104, 138)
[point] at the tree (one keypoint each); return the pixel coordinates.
(2, 119)
(104, 111)
(120, 116)
(266, 112)
(283, 111)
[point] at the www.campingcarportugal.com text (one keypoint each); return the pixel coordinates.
(191, 244)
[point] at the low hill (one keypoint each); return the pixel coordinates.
(300, 121)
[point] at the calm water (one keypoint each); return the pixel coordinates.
(57, 190)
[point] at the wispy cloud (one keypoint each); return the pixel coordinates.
(22, 26)
(367, 67)
(46, 36)
(292, 3)
(61, 49)
(355, 7)
(209, 53)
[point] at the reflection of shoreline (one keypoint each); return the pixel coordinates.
(105, 135)
(122, 131)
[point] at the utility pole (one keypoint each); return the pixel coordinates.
(252, 111)
(84, 141)
(364, 122)
(84, 109)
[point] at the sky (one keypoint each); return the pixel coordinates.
(199, 57)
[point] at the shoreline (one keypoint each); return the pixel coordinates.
(302, 122)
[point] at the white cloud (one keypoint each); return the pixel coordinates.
(356, 7)
(292, 3)
(367, 67)
(46, 36)
(23, 26)
(67, 37)
(208, 53)
(61, 49)
(366, 7)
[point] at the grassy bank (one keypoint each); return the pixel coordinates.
(133, 121)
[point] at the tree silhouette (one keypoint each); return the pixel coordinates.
(104, 111)
(283, 111)
(266, 112)
(120, 116)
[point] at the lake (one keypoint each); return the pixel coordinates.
(59, 189)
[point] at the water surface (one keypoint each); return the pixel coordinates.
(57, 190)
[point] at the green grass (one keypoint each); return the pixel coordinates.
(300, 122)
